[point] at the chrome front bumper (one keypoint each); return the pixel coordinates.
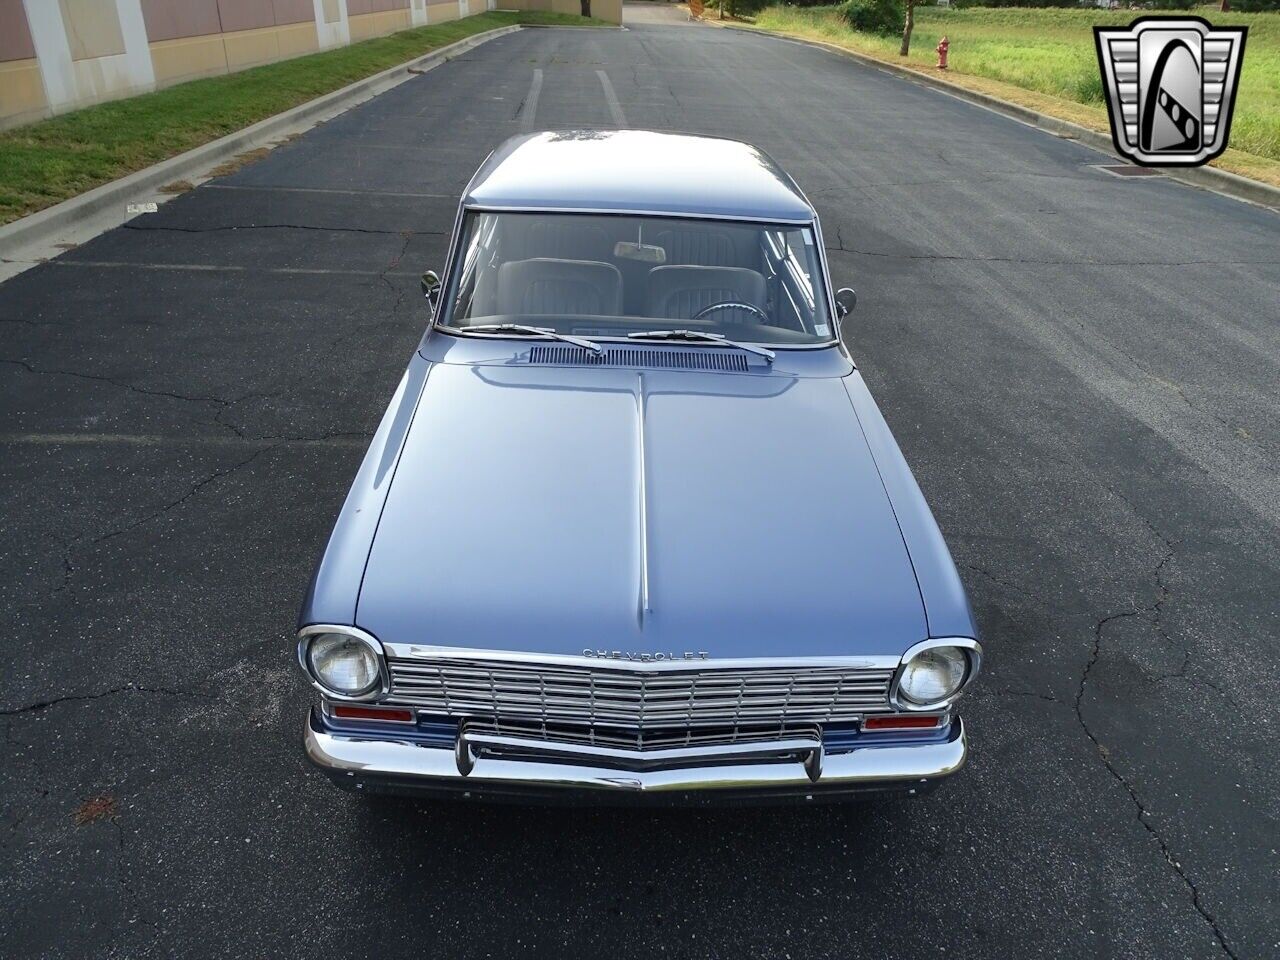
(386, 765)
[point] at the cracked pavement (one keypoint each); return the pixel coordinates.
(1082, 371)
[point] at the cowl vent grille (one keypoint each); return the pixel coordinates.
(716, 358)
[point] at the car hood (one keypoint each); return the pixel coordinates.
(555, 510)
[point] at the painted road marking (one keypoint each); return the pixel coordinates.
(615, 108)
(529, 109)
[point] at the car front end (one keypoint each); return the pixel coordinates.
(612, 726)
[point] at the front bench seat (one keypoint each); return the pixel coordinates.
(542, 285)
(678, 293)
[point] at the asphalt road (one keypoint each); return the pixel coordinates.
(1084, 372)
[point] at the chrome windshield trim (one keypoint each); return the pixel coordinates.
(449, 331)
(832, 311)
(421, 652)
(663, 213)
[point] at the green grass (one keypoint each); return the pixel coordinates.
(1051, 52)
(49, 161)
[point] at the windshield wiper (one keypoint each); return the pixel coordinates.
(526, 330)
(699, 335)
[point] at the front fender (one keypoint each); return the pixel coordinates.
(335, 585)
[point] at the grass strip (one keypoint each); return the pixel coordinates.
(50, 161)
(1044, 59)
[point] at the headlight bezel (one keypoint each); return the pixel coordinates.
(382, 686)
(972, 651)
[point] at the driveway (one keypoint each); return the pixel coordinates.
(1081, 369)
(653, 12)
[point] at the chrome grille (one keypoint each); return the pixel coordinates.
(642, 738)
(593, 695)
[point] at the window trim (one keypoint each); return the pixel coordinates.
(454, 264)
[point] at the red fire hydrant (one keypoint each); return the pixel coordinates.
(942, 46)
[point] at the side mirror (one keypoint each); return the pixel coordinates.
(846, 300)
(431, 288)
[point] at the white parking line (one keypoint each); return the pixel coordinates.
(530, 107)
(226, 268)
(615, 108)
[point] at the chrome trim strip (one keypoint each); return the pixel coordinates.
(656, 213)
(640, 758)
(973, 650)
(384, 675)
(833, 312)
(642, 495)
(419, 652)
(344, 757)
(443, 311)
(819, 345)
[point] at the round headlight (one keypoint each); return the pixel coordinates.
(343, 664)
(933, 675)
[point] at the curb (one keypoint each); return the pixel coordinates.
(567, 26)
(1209, 178)
(29, 240)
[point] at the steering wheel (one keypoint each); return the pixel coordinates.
(733, 305)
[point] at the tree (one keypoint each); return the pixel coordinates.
(906, 29)
(586, 8)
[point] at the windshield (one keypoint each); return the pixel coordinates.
(610, 276)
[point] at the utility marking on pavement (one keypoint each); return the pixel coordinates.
(350, 193)
(529, 109)
(136, 439)
(615, 108)
(1125, 170)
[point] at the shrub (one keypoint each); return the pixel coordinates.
(1173, 4)
(1088, 88)
(1014, 3)
(884, 17)
(740, 8)
(1255, 6)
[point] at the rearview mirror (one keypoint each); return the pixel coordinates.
(644, 252)
(846, 300)
(431, 288)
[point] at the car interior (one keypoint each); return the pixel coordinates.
(610, 275)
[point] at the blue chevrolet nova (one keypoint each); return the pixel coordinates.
(633, 528)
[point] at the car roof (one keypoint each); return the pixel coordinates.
(637, 172)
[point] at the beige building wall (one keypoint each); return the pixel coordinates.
(376, 18)
(21, 93)
(60, 55)
(610, 10)
(21, 89)
(440, 12)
